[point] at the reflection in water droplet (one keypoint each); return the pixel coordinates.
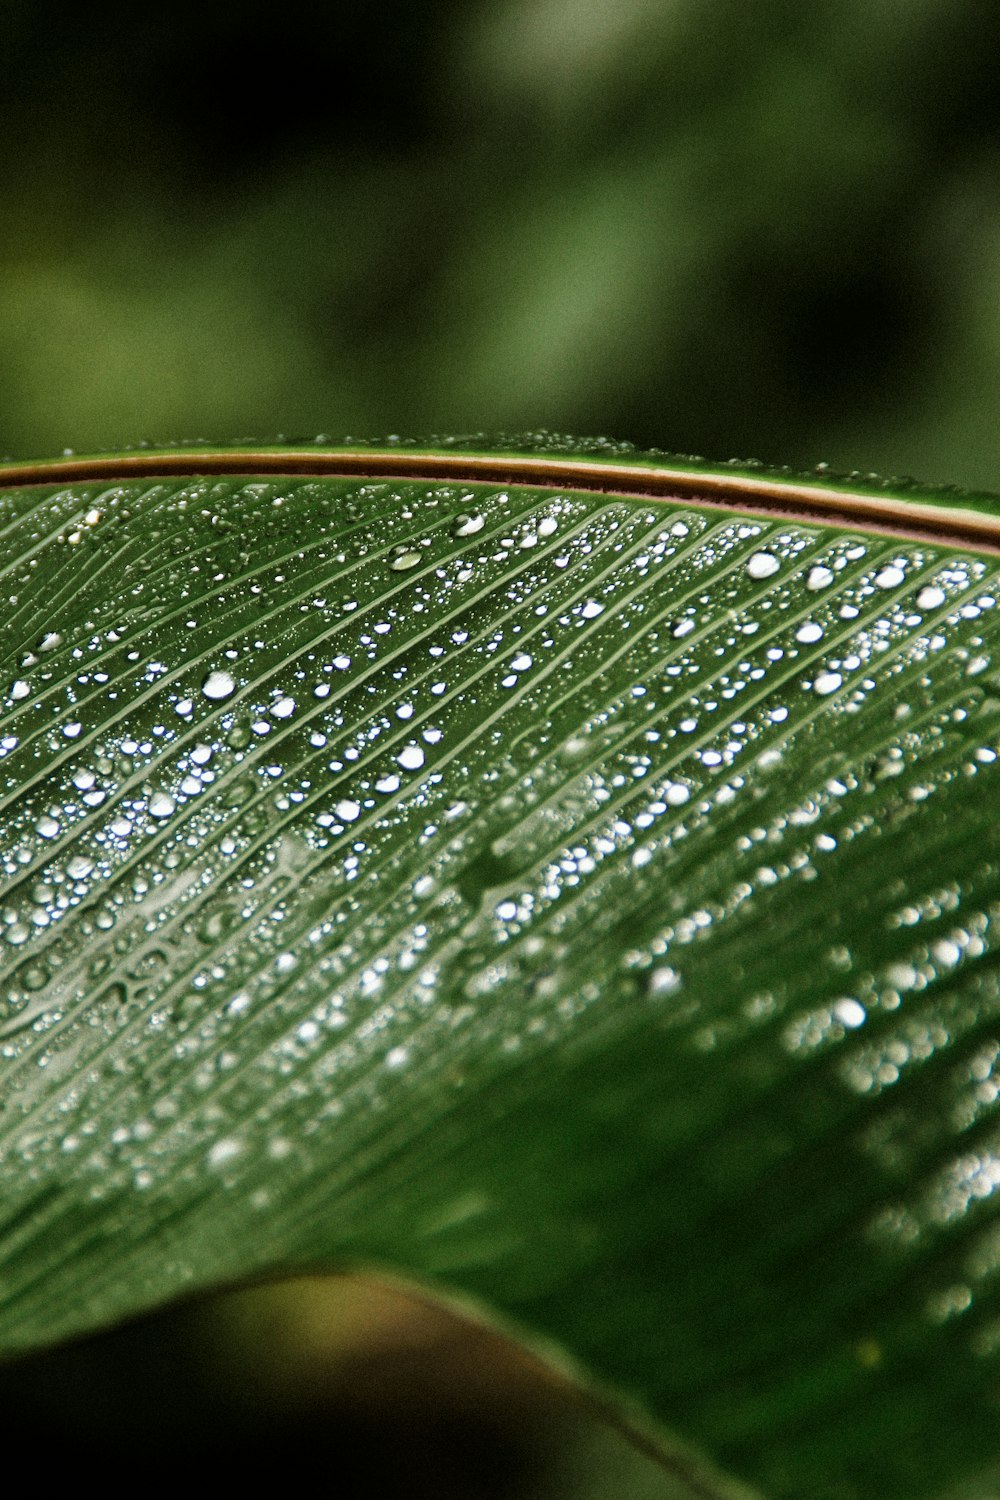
(218, 685)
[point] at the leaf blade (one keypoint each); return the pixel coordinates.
(571, 1075)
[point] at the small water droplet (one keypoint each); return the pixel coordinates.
(827, 682)
(161, 805)
(411, 757)
(20, 689)
(930, 597)
(890, 577)
(403, 558)
(850, 1012)
(664, 981)
(224, 1151)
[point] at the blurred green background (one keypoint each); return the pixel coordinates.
(766, 229)
(762, 230)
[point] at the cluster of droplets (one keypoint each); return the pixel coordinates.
(288, 829)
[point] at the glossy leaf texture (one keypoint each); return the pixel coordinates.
(584, 906)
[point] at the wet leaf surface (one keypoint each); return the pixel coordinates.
(579, 904)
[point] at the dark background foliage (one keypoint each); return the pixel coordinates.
(767, 229)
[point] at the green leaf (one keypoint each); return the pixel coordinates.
(563, 880)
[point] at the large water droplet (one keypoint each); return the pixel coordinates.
(763, 565)
(218, 685)
(819, 578)
(468, 523)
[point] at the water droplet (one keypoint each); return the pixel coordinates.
(47, 827)
(930, 597)
(161, 805)
(819, 578)
(850, 1013)
(218, 685)
(591, 610)
(50, 641)
(763, 565)
(827, 682)
(468, 523)
(890, 577)
(347, 810)
(664, 981)
(521, 663)
(411, 757)
(809, 632)
(341, 663)
(403, 558)
(284, 708)
(20, 689)
(79, 867)
(387, 784)
(224, 1151)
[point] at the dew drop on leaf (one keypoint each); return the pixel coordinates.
(218, 685)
